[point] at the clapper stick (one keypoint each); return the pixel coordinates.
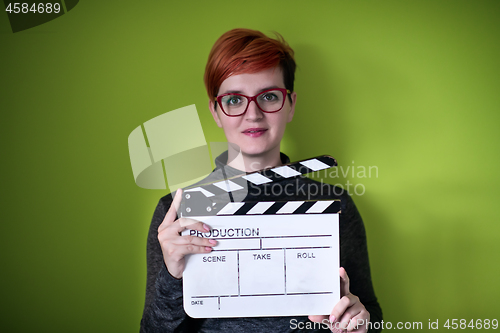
(197, 204)
(196, 200)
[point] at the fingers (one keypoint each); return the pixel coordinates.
(320, 319)
(344, 282)
(172, 212)
(341, 308)
(193, 240)
(181, 250)
(186, 223)
(351, 314)
(175, 247)
(346, 319)
(359, 322)
(172, 233)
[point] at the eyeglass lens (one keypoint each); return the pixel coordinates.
(270, 101)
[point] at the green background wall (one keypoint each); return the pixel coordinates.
(411, 87)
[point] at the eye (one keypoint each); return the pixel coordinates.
(232, 100)
(269, 97)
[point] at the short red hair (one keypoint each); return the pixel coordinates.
(245, 51)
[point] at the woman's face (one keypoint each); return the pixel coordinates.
(256, 133)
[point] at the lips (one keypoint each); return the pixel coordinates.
(254, 132)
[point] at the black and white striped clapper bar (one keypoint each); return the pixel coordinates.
(272, 258)
(198, 200)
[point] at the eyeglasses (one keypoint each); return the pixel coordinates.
(271, 100)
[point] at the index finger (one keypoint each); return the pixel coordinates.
(172, 212)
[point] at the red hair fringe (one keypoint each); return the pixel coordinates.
(246, 51)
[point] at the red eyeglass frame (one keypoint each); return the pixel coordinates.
(284, 91)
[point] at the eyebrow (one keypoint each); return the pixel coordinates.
(240, 92)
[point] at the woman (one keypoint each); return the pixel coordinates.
(249, 79)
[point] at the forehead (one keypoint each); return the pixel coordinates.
(253, 83)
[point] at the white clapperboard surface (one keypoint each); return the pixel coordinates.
(272, 258)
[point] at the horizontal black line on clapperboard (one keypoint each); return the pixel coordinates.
(276, 248)
(251, 295)
(259, 237)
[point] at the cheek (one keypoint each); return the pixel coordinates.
(282, 122)
(229, 125)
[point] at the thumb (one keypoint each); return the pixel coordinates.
(171, 214)
(344, 282)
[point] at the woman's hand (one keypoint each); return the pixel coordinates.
(348, 312)
(173, 245)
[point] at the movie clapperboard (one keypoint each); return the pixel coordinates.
(273, 258)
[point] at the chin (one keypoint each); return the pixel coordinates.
(257, 151)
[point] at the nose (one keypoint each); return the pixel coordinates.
(253, 112)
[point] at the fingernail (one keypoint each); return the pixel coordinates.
(208, 249)
(206, 227)
(212, 241)
(332, 318)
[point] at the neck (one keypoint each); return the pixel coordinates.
(251, 163)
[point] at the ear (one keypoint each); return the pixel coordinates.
(292, 106)
(213, 111)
